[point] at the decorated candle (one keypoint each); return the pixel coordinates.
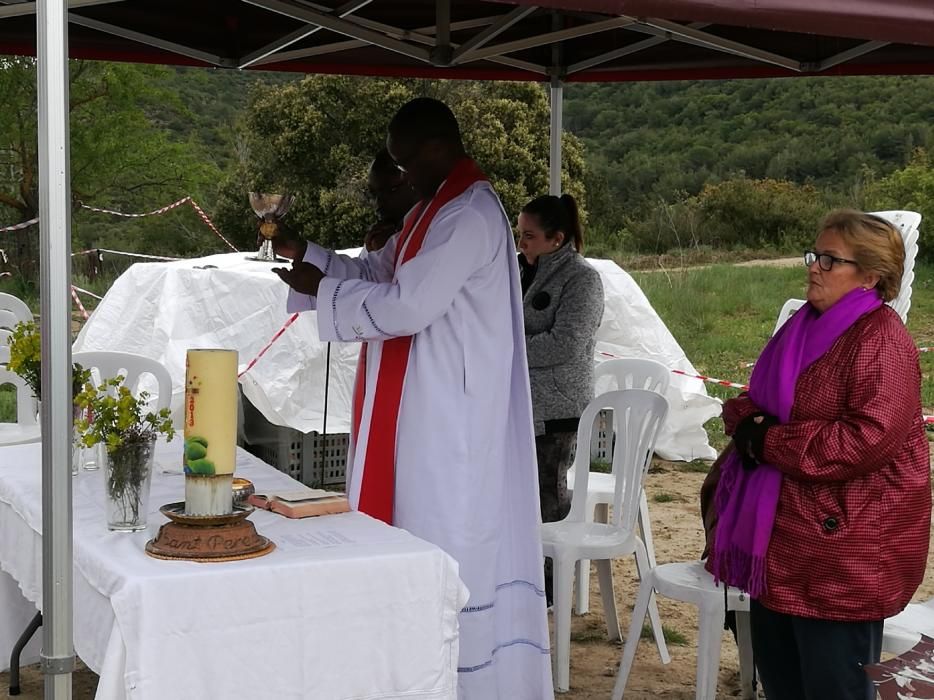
(210, 449)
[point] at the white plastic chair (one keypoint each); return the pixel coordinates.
(25, 429)
(625, 373)
(12, 311)
(903, 631)
(689, 582)
(907, 223)
(134, 368)
(638, 416)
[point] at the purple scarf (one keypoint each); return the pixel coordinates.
(746, 501)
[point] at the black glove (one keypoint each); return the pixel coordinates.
(749, 438)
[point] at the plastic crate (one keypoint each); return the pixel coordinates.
(601, 439)
(311, 458)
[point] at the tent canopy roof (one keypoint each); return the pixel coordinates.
(575, 40)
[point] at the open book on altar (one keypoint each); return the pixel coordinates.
(302, 503)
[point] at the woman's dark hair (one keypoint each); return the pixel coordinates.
(556, 214)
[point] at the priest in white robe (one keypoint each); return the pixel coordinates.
(443, 441)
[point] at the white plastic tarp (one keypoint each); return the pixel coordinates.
(226, 301)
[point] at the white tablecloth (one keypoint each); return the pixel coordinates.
(345, 607)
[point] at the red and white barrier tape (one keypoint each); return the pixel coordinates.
(17, 227)
(928, 420)
(712, 380)
(85, 291)
(154, 212)
(137, 255)
(84, 312)
(747, 365)
(274, 338)
(163, 210)
(210, 224)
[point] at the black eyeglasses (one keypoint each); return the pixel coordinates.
(825, 260)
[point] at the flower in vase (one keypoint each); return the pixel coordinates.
(116, 418)
(26, 355)
(111, 415)
(26, 359)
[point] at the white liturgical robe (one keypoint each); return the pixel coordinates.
(466, 476)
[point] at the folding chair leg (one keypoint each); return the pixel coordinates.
(34, 624)
(605, 574)
(746, 663)
(642, 565)
(582, 587)
(709, 639)
(601, 514)
(563, 573)
(632, 636)
(645, 527)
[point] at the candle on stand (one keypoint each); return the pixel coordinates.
(210, 449)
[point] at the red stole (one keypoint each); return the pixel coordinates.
(377, 492)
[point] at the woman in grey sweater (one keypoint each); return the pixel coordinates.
(563, 304)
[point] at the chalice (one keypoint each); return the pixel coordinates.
(269, 208)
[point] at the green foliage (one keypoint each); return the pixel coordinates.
(26, 359)
(911, 188)
(116, 418)
(7, 404)
(722, 316)
(671, 635)
(26, 355)
(734, 213)
(122, 158)
(666, 498)
(649, 142)
(601, 466)
(759, 213)
(316, 138)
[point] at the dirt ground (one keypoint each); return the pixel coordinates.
(675, 513)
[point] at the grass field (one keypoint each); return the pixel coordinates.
(723, 315)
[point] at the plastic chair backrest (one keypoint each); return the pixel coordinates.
(638, 415)
(907, 223)
(107, 365)
(12, 311)
(26, 406)
(635, 373)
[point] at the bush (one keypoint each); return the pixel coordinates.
(761, 213)
(736, 213)
(910, 188)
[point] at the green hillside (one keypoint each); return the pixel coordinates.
(657, 142)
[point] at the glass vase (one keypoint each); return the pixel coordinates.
(76, 449)
(128, 471)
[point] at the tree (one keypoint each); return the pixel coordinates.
(316, 138)
(120, 157)
(910, 188)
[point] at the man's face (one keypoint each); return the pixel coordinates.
(391, 194)
(418, 161)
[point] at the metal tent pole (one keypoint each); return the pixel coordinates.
(554, 157)
(57, 656)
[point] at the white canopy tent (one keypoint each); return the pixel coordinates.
(686, 39)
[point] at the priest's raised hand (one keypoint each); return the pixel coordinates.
(303, 277)
(288, 245)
